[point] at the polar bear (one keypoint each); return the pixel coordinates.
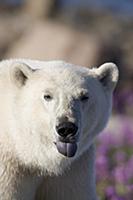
(51, 113)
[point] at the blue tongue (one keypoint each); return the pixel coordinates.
(67, 149)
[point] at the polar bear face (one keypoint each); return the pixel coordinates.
(60, 108)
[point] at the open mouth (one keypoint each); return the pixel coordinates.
(66, 148)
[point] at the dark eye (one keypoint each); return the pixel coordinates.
(84, 98)
(48, 97)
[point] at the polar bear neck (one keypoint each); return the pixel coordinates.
(77, 182)
(16, 183)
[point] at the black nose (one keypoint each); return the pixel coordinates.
(67, 128)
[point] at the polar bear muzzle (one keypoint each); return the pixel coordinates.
(67, 138)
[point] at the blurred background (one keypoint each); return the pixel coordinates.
(88, 33)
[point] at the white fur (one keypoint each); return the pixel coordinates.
(27, 127)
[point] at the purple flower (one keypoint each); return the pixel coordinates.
(102, 167)
(120, 174)
(110, 191)
(117, 198)
(130, 188)
(114, 162)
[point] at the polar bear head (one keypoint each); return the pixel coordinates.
(59, 108)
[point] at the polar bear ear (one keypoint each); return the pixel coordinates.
(108, 75)
(20, 73)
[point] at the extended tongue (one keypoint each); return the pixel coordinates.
(67, 149)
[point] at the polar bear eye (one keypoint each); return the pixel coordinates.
(84, 98)
(48, 97)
